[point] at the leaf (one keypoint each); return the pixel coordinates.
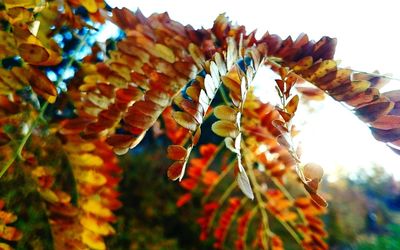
(313, 171)
(387, 122)
(175, 170)
(281, 85)
(96, 226)
(20, 3)
(231, 84)
(164, 52)
(303, 64)
(33, 54)
(225, 128)
(230, 144)
(90, 5)
(224, 112)
(96, 208)
(185, 120)
(372, 111)
(291, 106)
(215, 74)
(232, 53)
(42, 85)
(244, 184)
(93, 240)
(388, 135)
(197, 55)
(209, 86)
(176, 152)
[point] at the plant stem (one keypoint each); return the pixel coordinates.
(260, 201)
(221, 201)
(220, 177)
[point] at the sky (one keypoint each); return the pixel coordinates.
(368, 40)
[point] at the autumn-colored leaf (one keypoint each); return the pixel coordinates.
(225, 128)
(185, 120)
(175, 170)
(42, 85)
(313, 171)
(372, 111)
(176, 152)
(291, 106)
(224, 112)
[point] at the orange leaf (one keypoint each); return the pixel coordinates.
(175, 170)
(42, 85)
(291, 106)
(176, 152)
(182, 200)
(185, 120)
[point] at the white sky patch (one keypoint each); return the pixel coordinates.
(368, 39)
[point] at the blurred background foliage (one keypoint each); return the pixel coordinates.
(364, 210)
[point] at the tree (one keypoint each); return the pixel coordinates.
(69, 105)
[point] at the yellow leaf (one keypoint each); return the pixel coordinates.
(224, 112)
(92, 177)
(96, 226)
(28, 4)
(291, 107)
(164, 52)
(90, 5)
(225, 129)
(96, 208)
(80, 147)
(93, 240)
(86, 159)
(49, 195)
(197, 55)
(4, 246)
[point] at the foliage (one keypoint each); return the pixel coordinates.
(68, 103)
(363, 215)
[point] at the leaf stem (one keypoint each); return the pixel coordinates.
(218, 180)
(221, 201)
(260, 201)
